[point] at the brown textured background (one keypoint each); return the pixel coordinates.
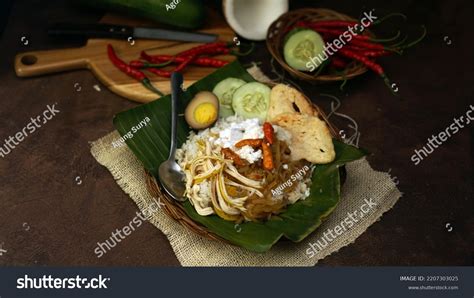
(47, 219)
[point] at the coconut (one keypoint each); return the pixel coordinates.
(251, 18)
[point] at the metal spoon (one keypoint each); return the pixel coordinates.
(170, 174)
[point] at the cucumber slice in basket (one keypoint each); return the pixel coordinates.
(224, 90)
(252, 101)
(300, 47)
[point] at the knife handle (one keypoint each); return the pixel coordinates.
(90, 30)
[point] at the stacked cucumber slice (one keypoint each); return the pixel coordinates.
(224, 91)
(248, 100)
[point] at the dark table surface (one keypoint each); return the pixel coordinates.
(48, 218)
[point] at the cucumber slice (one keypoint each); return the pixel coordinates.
(224, 90)
(252, 101)
(300, 48)
(225, 111)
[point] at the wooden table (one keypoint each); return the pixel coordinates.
(57, 202)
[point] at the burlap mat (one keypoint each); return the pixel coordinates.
(362, 185)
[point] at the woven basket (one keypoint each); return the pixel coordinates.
(175, 209)
(279, 28)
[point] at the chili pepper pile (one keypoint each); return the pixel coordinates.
(361, 48)
(200, 56)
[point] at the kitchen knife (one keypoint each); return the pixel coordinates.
(125, 32)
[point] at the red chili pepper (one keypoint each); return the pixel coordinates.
(360, 45)
(187, 57)
(355, 36)
(206, 61)
(354, 48)
(369, 64)
(157, 58)
(202, 49)
(374, 54)
(166, 73)
(364, 60)
(215, 48)
(160, 72)
(367, 45)
(200, 61)
(226, 50)
(218, 51)
(338, 62)
(342, 23)
(337, 33)
(183, 64)
(359, 41)
(137, 64)
(130, 71)
(368, 53)
(268, 132)
(124, 67)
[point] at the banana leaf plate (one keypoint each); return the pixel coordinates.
(150, 145)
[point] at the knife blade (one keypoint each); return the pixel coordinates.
(124, 32)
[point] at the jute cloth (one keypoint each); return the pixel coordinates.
(362, 184)
(365, 188)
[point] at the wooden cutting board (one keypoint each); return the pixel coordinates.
(93, 56)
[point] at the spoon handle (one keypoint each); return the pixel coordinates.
(176, 82)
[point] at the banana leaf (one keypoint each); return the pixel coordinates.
(150, 144)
